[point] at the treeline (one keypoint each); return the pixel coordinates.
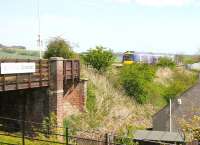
(136, 80)
(12, 47)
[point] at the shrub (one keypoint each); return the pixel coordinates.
(180, 82)
(191, 128)
(134, 78)
(58, 47)
(166, 62)
(99, 58)
(91, 98)
(49, 123)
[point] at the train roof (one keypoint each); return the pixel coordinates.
(149, 53)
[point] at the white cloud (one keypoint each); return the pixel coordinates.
(158, 2)
(163, 2)
(123, 1)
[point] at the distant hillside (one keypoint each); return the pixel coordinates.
(18, 52)
(13, 46)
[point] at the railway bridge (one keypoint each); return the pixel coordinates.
(52, 85)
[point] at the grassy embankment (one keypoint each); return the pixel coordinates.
(109, 109)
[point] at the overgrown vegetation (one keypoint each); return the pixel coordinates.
(188, 59)
(144, 84)
(14, 140)
(44, 134)
(99, 58)
(166, 62)
(191, 128)
(108, 109)
(135, 78)
(58, 47)
(180, 82)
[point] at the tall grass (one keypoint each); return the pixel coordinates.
(109, 109)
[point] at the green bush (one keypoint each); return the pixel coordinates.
(166, 62)
(181, 81)
(99, 58)
(91, 98)
(58, 47)
(134, 78)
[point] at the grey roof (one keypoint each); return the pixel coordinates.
(158, 136)
(180, 95)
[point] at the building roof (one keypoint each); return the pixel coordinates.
(179, 96)
(162, 136)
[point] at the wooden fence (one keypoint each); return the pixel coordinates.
(41, 76)
(71, 69)
(193, 143)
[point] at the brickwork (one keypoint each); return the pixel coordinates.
(56, 88)
(76, 97)
(63, 97)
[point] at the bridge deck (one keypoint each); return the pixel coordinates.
(41, 76)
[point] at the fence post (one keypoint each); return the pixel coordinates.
(23, 119)
(23, 132)
(106, 139)
(66, 135)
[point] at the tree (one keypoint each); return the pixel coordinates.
(58, 47)
(99, 58)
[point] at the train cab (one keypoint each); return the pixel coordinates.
(128, 57)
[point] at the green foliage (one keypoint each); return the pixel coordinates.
(94, 115)
(191, 128)
(134, 79)
(9, 50)
(49, 123)
(155, 93)
(91, 98)
(166, 62)
(126, 136)
(18, 53)
(99, 58)
(188, 59)
(18, 141)
(58, 47)
(181, 81)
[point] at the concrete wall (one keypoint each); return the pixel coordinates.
(190, 105)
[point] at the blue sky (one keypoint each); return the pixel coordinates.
(170, 26)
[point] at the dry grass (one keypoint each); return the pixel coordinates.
(163, 76)
(115, 109)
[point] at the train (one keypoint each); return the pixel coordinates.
(130, 57)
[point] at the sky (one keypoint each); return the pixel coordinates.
(169, 26)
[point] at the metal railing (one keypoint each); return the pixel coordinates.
(30, 133)
(26, 132)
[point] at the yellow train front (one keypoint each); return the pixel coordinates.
(128, 57)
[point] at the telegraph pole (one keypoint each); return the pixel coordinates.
(39, 36)
(170, 115)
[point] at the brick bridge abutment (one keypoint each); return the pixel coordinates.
(59, 98)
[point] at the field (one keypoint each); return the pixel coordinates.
(18, 54)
